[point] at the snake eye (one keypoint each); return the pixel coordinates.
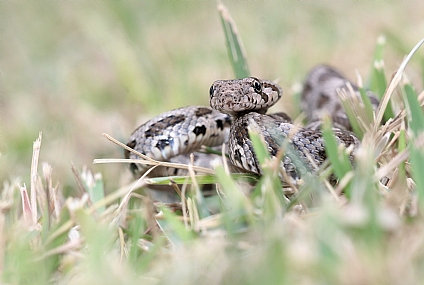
(257, 86)
(211, 91)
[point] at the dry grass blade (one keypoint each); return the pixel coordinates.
(115, 141)
(118, 194)
(34, 177)
(354, 105)
(126, 194)
(399, 158)
(154, 163)
(147, 160)
(48, 202)
(386, 169)
(26, 205)
(64, 248)
(193, 178)
(392, 86)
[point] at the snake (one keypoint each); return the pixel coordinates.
(239, 106)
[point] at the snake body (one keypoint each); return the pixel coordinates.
(240, 105)
(319, 96)
(173, 134)
(253, 97)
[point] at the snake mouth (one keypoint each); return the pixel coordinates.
(223, 106)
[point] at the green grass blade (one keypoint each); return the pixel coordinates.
(393, 84)
(94, 185)
(136, 228)
(174, 229)
(259, 146)
(380, 83)
(199, 201)
(369, 111)
(269, 189)
(379, 48)
(339, 159)
(379, 78)
(234, 44)
(237, 208)
(402, 145)
(364, 191)
(201, 179)
(416, 117)
(416, 125)
(422, 70)
(356, 126)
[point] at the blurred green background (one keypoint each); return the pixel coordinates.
(75, 70)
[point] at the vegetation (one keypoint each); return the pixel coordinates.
(101, 229)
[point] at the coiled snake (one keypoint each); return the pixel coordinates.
(240, 105)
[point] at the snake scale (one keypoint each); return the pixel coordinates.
(240, 105)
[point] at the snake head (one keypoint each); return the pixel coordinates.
(243, 95)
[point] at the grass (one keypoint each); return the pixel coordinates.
(77, 226)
